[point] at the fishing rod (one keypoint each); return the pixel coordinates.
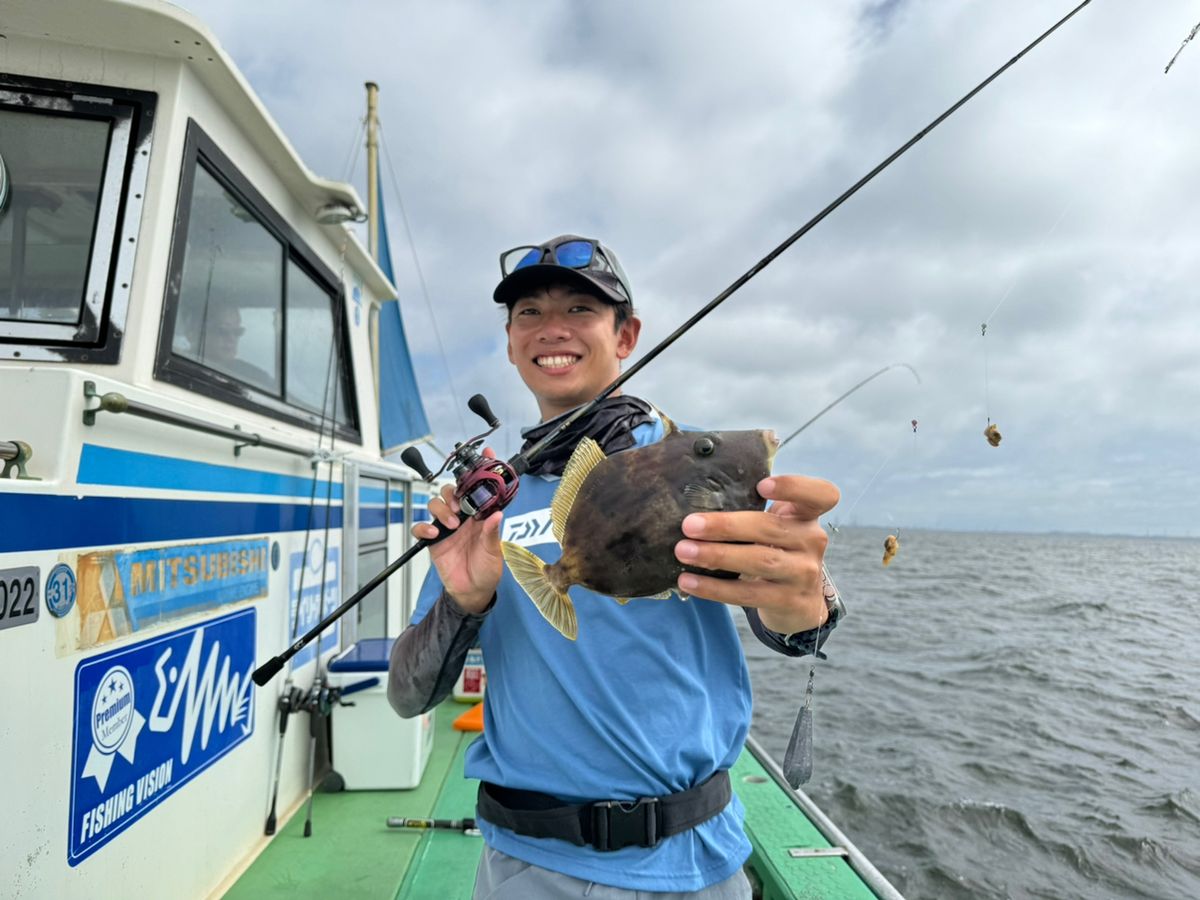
(463, 825)
(861, 384)
(486, 485)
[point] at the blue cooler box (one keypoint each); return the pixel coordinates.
(373, 748)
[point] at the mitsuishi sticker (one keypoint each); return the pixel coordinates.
(151, 717)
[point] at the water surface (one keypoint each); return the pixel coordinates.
(1008, 716)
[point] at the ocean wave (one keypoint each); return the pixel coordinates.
(990, 818)
(1183, 805)
(1017, 670)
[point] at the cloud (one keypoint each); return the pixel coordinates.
(693, 138)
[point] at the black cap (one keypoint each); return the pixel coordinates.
(603, 276)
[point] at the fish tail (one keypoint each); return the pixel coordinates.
(530, 572)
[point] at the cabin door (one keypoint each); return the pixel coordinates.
(375, 535)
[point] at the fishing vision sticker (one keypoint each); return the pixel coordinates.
(124, 591)
(315, 602)
(151, 717)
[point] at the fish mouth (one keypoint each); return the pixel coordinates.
(556, 361)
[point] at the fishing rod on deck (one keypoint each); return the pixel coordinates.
(486, 485)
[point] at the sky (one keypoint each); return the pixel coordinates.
(1059, 206)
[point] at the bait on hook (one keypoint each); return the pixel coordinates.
(891, 544)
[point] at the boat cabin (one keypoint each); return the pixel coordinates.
(190, 434)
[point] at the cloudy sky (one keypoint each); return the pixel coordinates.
(1060, 206)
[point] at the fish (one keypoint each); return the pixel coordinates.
(992, 433)
(618, 518)
(891, 544)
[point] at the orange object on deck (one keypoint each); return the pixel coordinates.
(471, 720)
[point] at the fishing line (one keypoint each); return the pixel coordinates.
(871, 481)
(862, 383)
(412, 246)
(798, 757)
(1070, 202)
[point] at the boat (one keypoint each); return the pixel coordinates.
(203, 384)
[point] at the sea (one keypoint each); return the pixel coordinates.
(1007, 715)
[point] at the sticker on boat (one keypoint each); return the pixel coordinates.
(151, 717)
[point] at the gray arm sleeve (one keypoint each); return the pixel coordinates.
(428, 656)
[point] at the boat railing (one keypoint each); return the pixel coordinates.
(115, 402)
(14, 455)
(871, 876)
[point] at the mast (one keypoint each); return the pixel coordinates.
(373, 221)
(373, 169)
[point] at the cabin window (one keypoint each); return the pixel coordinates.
(56, 167)
(310, 342)
(230, 311)
(70, 158)
(252, 317)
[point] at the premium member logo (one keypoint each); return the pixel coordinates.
(153, 716)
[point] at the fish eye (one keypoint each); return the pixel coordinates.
(703, 447)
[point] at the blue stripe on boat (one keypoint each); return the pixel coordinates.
(128, 468)
(50, 522)
(374, 517)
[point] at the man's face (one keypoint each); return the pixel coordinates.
(565, 347)
(224, 332)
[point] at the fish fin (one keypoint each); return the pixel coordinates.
(586, 456)
(665, 595)
(622, 600)
(530, 572)
(700, 497)
(669, 426)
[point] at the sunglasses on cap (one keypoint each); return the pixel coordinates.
(570, 253)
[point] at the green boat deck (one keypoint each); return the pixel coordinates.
(353, 854)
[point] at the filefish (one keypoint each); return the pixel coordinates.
(618, 518)
(890, 545)
(992, 433)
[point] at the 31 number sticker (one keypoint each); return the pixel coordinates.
(60, 590)
(19, 596)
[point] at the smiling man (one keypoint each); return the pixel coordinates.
(604, 761)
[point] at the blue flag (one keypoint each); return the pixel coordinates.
(402, 416)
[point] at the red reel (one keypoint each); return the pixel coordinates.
(488, 485)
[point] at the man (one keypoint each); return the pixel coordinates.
(223, 334)
(653, 699)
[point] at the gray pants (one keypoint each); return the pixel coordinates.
(501, 877)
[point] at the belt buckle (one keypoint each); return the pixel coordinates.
(625, 823)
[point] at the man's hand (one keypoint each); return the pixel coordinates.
(778, 553)
(469, 561)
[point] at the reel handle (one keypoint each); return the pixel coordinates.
(413, 459)
(479, 405)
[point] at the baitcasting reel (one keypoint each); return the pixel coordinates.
(485, 484)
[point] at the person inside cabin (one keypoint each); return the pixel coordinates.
(223, 332)
(604, 760)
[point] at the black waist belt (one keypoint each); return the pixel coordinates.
(604, 824)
